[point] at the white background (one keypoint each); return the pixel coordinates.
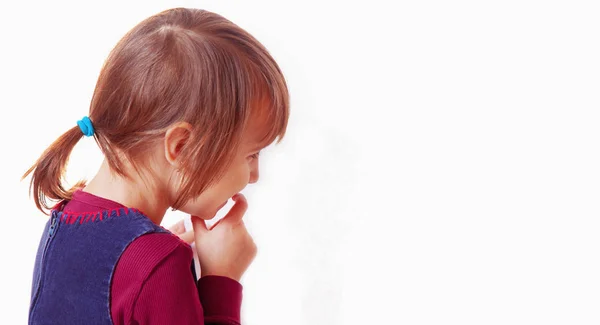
(441, 164)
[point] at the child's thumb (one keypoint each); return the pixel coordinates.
(235, 215)
(199, 225)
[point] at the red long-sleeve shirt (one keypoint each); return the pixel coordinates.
(153, 284)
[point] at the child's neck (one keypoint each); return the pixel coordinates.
(113, 187)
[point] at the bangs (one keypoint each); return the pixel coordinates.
(270, 108)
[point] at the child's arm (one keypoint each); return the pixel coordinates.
(153, 284)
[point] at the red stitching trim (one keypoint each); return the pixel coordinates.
(70, 217)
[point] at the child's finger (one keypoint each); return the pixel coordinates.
(187, 236)
(235, 215)
(178, 228)
(215, 224)
(199, 226)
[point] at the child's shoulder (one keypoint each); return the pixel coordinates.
(153, 248)
(148, 252)
(150, 262)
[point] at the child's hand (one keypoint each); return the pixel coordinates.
(179, 230)
(227, 249)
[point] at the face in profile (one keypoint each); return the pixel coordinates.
(243, 170)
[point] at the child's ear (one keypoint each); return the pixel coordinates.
(175, 138)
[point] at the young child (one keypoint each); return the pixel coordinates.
(182, 107)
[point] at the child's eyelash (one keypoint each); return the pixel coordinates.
(254, 156)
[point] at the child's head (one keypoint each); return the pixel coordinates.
(185, 99)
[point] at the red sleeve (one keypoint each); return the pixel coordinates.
(153, 284)
(221, 298)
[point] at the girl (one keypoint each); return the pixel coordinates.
(182, 107)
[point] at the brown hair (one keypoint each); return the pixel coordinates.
(179, 65)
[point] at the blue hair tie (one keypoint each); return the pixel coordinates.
(86, 126)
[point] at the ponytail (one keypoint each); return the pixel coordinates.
(49, 169)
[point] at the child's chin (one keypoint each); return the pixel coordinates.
(203, 217)
(200, 214)
(222, 206)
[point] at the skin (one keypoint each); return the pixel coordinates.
(156, 196)
(226, 249)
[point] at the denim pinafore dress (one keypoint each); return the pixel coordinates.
(75, 263)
